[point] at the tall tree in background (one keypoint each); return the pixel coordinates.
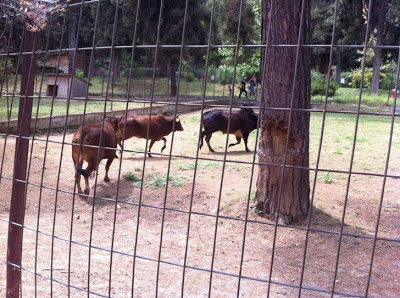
(171, 29)
(280, 85)
(381, 12)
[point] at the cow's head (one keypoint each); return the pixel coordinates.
(178, 124)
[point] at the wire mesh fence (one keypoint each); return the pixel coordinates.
(83, 79)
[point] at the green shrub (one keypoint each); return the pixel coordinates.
(388, 81)
(318, 85)
(189, 77)
(367, 79)
(131, 177)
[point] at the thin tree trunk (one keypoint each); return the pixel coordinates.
(338, 65)
(293, 196)
(172, 75)
(379, 41)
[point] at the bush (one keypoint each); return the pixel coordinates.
(189, 77)
(318, 85)
(367, 79)
(388, 81)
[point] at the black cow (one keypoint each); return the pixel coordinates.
(242, 123)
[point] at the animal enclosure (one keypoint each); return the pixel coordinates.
(185, 220)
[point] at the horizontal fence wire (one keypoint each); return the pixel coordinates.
(54, 204)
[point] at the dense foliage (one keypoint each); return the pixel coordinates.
(350, 29)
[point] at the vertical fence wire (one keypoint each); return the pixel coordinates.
(172, 143)
(345, 204)
(196, 162)
(235, 61)
(390, 144)
(321, 138)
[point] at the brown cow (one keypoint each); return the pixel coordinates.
(90, 135)
(136, 126)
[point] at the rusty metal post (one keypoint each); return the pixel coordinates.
(17, 206)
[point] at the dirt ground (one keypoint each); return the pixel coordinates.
(76, 236)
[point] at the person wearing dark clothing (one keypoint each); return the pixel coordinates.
(243, 87)
(253, 84)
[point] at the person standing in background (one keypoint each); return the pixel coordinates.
(253, 84)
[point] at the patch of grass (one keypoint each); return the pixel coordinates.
(137, 169)
(175, 181)
(361, 139)
(208, 164)
(337, 151)
(157, 180)
(131, 177)
(366, 167)
(351, 95)
(253, 195)
(187, 166)
(327, 178)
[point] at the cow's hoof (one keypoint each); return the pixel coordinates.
(212, 150)
(106, 179)
(86, 192)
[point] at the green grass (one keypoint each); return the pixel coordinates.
(59, 107)
(351, 96)
(131, 177)
(156, 180)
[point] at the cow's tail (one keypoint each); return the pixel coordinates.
(81, 171)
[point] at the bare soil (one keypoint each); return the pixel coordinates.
(69, 239)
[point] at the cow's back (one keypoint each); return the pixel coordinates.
(218, 120)
(136, 126)
(90, 135)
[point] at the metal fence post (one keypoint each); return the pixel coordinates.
(17, 206)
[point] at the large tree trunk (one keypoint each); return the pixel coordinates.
(72, 27)
(277, 93)
(377, 56)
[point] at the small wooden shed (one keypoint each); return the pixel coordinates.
(60, 85)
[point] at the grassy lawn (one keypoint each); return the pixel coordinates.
(351, 95)
(142, 88)
(60, 107)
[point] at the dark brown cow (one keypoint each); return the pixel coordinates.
(90, 135)
(136, 126)
(242, 123)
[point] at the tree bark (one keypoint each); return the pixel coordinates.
(72, 24)
(293, 196)
(338, 65)
(377, 56)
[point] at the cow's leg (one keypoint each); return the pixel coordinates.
(165, 144)
(238, 139)
(208, 137)
(108, 164)
(245, 137)
(89, 170)
(78, 177)
(151, 145)
(201, 139)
